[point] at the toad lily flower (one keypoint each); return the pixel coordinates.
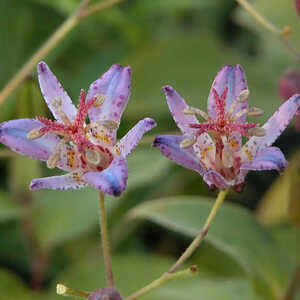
(89, 152)
(214, 148)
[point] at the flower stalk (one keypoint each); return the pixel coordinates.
(81, 13)
(202, 234)
(166, 277)
(105, 241)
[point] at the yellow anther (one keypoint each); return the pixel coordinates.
(248, 154)
(243, 96)
(53, 160)
(99, 100)
(188, 142)
(205, 150)
(35, 133)
(257, 131)
(117, 150)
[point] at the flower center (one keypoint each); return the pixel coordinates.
(84, 146)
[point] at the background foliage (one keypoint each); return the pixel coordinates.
(47, 237)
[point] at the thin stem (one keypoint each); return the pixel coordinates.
(64, 290)
(166, 277)
(57, 37)
(282, 34)
(105, 242)
(294, 285)
(200, 237)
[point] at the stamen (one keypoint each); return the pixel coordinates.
(227, 158)
(109, 124)
(255, 112)
(257, 131)
(99, 100)
(188, 142)
(196, 111)
(57, 104)
(240, 114)
(35, 133)
(92, 157)
(243, 96)
(55, 156)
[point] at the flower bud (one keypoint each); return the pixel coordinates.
(297, 5)
(105, 294)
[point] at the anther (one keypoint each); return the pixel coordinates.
(243, 96)
(257, 131)
(188, 142)
(57, 104)
(99, 100)
(240, 114)
(109, 124)
(53, 160)
(255, 112)
(35, 133)
(196, 111)
(92, 157)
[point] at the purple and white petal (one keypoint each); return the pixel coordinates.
(233, 78)
(112, 180)
(270, 158)
(216, 180)
(115, 85)
(63, 182)
(14, 135)
(52, 89)
(176, 105)
(275, 125)
(132, 138)
(169, 146)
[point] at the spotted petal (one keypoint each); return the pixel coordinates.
(275, 125)
(51, 89)
(234, 79)
(169, 146)
(112, 180)
(115, 85)
(215, 180)
(63, 182)
(176, 106)
(270, 158)
(132, 138)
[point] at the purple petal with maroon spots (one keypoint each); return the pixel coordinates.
(169, 146)
(132, 138)
(51, 89)
(275, 125)
(14, 135)
(270, 158)
(176, 106)
(215, 180)
(112, 180)
(63, 182)
(234, 79)
(115, 85)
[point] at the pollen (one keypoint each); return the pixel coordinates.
(248, 154)
(71, 158)
(204, 151)
(233, 143)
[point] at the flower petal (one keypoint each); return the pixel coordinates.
(51, 89)
(270, 158)
(234, 79)
(112, 180)
(176, 106)
(63, 182)
(169, 146)
(14, 135)
(274, 126)
(215, 180)
(132, 138)
(115, 85)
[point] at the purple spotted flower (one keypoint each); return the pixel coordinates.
(88, 151)
(214, 148)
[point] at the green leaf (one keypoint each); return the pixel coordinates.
(9, 209)
(134, 271)
(234, 231)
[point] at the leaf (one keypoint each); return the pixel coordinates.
(134, 271)
(9, 210)
(235, 231)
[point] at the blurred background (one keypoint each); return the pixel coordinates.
(253, 249)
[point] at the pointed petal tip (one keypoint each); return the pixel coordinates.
(150, 122)
(168, 89)
(34, 184)
(42, 66)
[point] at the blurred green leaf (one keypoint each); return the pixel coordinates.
(8, 208)
(235, 231)
(134, 271)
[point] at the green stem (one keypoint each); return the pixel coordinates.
(290, 295)
(63, 290)
(105, 242)
(200, 237)
(166, 277)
